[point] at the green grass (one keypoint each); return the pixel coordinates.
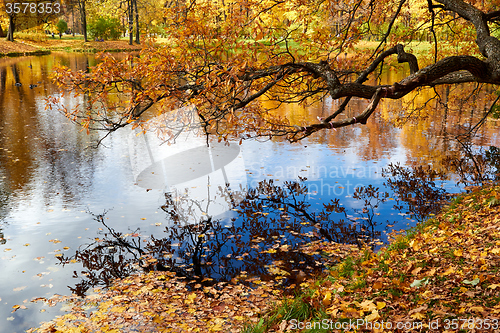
(296, 308)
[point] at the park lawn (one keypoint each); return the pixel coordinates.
(17, 47)
(29, 43)
(442, 273)
(78, 45)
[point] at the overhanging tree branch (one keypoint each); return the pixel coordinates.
(228, 74)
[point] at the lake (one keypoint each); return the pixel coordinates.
(65, 205)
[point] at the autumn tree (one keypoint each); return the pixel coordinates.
(81, 6)
(28, 14)
(61, 26)
(226, 58)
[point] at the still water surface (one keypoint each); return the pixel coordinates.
(53, 182)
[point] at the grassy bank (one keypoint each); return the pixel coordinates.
(34, 45)
(76, 44)
(442, 275)
(18, 48)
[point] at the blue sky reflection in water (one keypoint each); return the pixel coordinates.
(52, 180)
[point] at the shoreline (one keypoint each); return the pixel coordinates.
(444, 268)
(20, 47)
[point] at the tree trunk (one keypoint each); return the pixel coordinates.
(83, 15)
(130, 22)
(136, 22)
(12, 27)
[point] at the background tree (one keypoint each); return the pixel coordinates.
(137, 29)
(81, 5)
(125, 10)
(61, 26)
(12, 27)
(105, 28)
(30, 15)
(227, 58)
(130, 14)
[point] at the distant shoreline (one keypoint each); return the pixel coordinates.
(21, 47)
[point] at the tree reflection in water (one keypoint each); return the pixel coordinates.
(267, 229)
(115, 255)
(474, 166)
(416, 189)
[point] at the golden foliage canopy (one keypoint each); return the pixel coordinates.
(226, 58)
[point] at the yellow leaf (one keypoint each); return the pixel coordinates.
(449, 271)
(119, 309)
(458, 252)
(434, 250)
(418, 315)
(495, 250)
(380, 305)
(368, 305)
(416, 270)
(373, 316)
(190, 298)
(333, 311)
(217, 326)
(477, 309)
(327, 299)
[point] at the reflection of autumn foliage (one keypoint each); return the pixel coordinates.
(474, 166)
(416, 189)
(445, 268)
(268, 229)
(115, 255)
